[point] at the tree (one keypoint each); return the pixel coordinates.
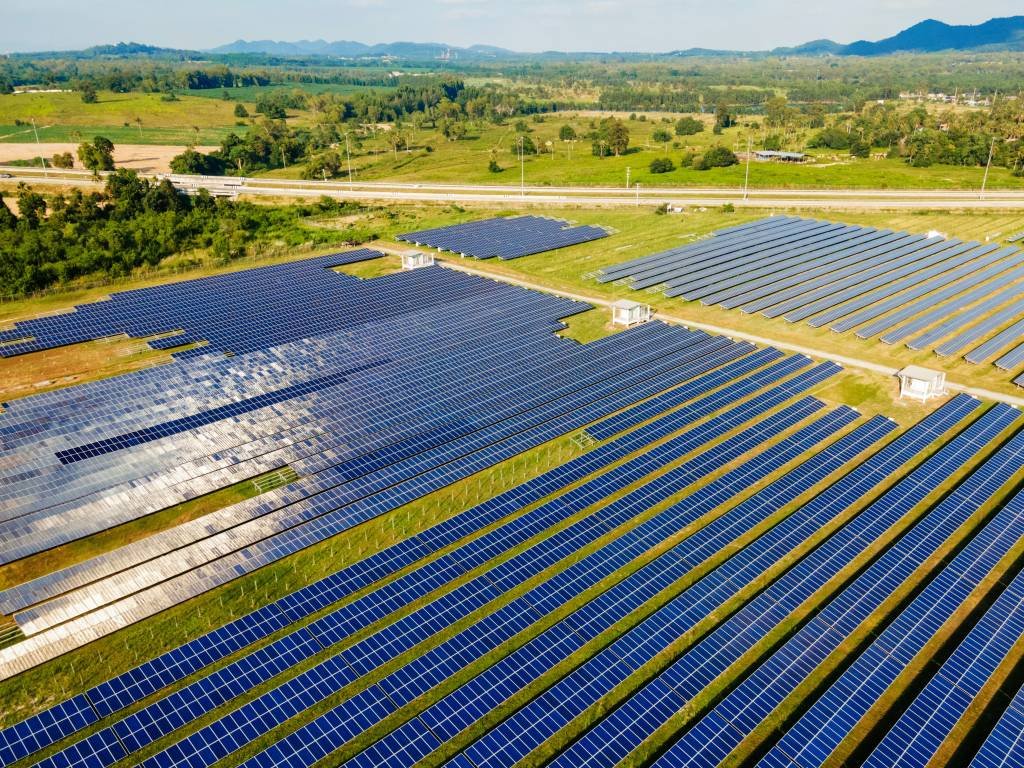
(89, 95)
(97, 155)
(661, 136)
(493, 166)
(688, 126)
(719, 157)
(63, 160)
(723, 117)
(567, 133)
(524, 144)
(197, 163)
(618, 135)
(31, 206)
(776, 111)
(7, 218)
(395, 140)
(240, 110)
(323, 165)
(662, 165)
(612, 136)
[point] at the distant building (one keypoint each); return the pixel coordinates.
(628, 313)
(783, 157)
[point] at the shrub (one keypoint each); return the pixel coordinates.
(720, 157)
(688, 126)
(662, 165)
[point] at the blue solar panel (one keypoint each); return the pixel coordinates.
(652, 636)
(934, 712)
(507, 238)
(1004, 746)
(820, 730)
(497, 627)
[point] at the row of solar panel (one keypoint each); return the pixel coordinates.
(421, 581)
(506, 238)
(845, 277)
(139, 683)
(498, 627)
(379, 490)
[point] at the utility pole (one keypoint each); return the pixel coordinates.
(638, 194)
(42, 159)
(522, 169)
(627, 177)
(348, 157)
(984, 179)
(746, 176)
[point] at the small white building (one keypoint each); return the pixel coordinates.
(417, 259)
(628, 313)
(921, 383)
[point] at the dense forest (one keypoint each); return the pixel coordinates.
(136, 223)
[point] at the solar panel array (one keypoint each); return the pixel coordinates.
(958, 297)
(506, 238)
(725, 538)
(379, 423)
(717, 361)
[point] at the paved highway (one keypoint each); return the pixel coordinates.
(508, 196)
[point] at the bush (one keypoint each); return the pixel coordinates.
(240, 110)
(662, 165)
(688, 126)
(493, 167)
(528, 147)
(63, 160)
(197, 163)
(720, 157)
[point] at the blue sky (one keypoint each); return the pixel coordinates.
(525, 25)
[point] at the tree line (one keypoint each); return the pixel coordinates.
(135, 223)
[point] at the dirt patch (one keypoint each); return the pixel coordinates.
(147, 158)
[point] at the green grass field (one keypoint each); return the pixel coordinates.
(63, 117)
(563, 163)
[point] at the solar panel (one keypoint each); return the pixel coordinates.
(934, 712)
(506, 238)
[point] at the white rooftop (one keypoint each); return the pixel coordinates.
(924, 374)
(626, 304)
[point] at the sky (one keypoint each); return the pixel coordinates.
(522, 25)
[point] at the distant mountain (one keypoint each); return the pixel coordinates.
(352, 49)
(813, 48)
(932, 36)
(926, 37)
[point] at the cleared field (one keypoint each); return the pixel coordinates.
(144, 158)
(113, 109)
